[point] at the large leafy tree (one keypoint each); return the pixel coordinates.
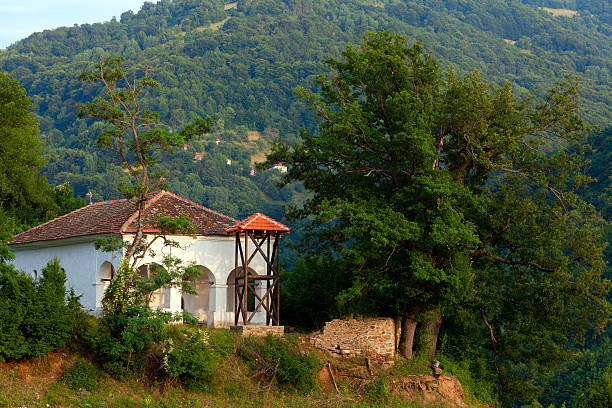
(441, 193)
(22, 190)
(26, 199)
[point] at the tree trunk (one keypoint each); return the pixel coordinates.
(407, 337)
(430, 330)
(398, 331)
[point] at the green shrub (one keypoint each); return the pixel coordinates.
(276, 357)
(376, 392)
(35, 317)
(82, 375)
(223, 342)
(477, 388)
(191, 360)
(126, 343)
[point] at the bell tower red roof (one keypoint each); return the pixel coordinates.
(259, 222)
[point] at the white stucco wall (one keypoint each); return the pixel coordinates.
(79, 258)
(82, 263)
(217, 254)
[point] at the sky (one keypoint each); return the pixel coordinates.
(20, 18)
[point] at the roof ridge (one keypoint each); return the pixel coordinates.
(245, 223)
(119, 216)
(201, 206)
(135, 214)
(272, 220)
(250, 219)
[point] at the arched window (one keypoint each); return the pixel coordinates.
(201, 304)
(107, 272)
(161, 297)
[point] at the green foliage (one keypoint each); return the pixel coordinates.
(64, 198)
(35, 317)
(191, 360)
(309, 276)
(82, 375)
(138, 139)
(477, 382)
(586, 371)
(442, 191)
(125, 342)
(376, 392)
(120, 293)
(138, 343)
(223, 342)
(129, 288)
(599, 394)
(25, 196)
(279, 358)
(244, 73)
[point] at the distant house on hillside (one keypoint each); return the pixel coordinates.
(280, 167)
(72, 237)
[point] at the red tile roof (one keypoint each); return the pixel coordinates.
(259, 222)
(120, 216)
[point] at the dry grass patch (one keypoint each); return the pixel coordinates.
(217, 26)
(212, 26)
(253, 135)
(258, 157)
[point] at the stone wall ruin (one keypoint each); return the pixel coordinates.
(367, 337)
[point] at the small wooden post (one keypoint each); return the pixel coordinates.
(236, 279)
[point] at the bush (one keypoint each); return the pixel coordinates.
(83, 375)
(126, 343)
(377, 393)
(223, 342)
(191, 361)
(275, 357)
(477, 387)
(35, 317)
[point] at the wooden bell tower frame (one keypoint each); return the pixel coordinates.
(265, 234)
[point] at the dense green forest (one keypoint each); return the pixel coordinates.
(241, 63)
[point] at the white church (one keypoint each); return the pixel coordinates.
(215, 250)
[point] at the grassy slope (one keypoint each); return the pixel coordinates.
(37, 383)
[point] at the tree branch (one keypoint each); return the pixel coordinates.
(509, 262)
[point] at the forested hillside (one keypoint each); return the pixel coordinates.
(240, 63)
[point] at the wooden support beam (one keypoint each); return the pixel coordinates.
(259, 277)
(260, 304)
(236, 279)
(246, 280)
(269, 302)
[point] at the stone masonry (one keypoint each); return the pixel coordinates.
(258, 330)
(368, 337)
